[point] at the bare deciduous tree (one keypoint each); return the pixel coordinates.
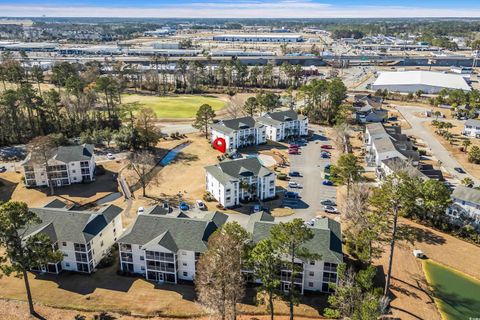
(41, 149)
(142, 163)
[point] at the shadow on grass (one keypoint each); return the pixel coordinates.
(415, 234)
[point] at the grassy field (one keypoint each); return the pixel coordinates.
(457, 295)
(181, 106)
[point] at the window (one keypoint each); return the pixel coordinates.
(184, 253)
(312, 263)
(184, 264)
(311, 273)
(142, 268)
(101, 244)
(65, 254)
(185, 274)
(310, 284)
(67, 264)
(64, 244)
(73, 171)
(142, 258)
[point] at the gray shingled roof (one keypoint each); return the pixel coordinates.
(186, 233)
(326, 241)
(467, 194)
(74, 153)
(275, 118)
(229, 170)
(71, 225)
(56, 204)
(472, 122)
(230, 125)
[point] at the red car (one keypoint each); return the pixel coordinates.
(326, 146)
(293, 151)
(294, 146)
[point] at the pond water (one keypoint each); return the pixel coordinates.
(457, 295)
(172, 154)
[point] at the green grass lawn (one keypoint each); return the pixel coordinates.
(180, 106)
(457, 295)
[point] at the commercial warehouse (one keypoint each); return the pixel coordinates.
(258, 38)
(426, 81)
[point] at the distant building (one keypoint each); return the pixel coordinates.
(472, 128)
(283, 124)
(466, 203)
(84, 237)
(258, 38)
(413, 81)
(461, 70)
(232, 181)
(70, 164)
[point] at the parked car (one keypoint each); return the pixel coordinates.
(255, 208)
(328, 202)
(327, 168)
(419, 254)
(325, 155)
(459, 170)
(110, 156)
(326, 146)
(140, 210)
(293, 184)
(291, 195)
(294, 174)
(200, 205)
(330, 209)
(294, 146)
(184, 206)
(166, 206)
(3, 169)
(327, 183)
(293, 151)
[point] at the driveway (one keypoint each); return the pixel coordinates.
(448, 161)
(310, 165)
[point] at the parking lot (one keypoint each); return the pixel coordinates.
(310, 165)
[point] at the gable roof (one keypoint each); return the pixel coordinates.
(275, 118)
(230, 170)
(231, 125)
(472, 122)
(326, 241)
(173, 233)
(467, 194)
(68, 154)
(61, 224)
(55, 203)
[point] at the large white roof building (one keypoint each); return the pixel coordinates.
(412, 81)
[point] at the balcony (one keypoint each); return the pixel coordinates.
(126, 258)
(159, 268)
(159, 258)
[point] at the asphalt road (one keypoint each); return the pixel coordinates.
(438, 150)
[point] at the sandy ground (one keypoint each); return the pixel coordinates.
(454, 149)
(412, 299)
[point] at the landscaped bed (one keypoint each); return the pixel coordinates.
(175, 107)
(457, 295)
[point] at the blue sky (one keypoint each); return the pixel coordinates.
(242, 8)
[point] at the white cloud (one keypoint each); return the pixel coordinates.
(239, 9)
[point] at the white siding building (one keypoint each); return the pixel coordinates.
(412, 81)
(70, 164)
(259, 37)
(326, 242)
(283, 124)
(472, 128)
(232, 181)
(165, 247)
(466, 203)
(84, 237)
(238, 133)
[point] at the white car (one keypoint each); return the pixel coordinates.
(110, 156)
(293, 184)
(200, 205)
(330, 209)
(419, 254)
(140, 210)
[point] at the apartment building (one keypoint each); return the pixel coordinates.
(238, 133)
(382, 142)
(84, 237)
(69, 164)
(326, 242)
(233, 181)
(166, 247)
(465, 204)
(284, 124)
